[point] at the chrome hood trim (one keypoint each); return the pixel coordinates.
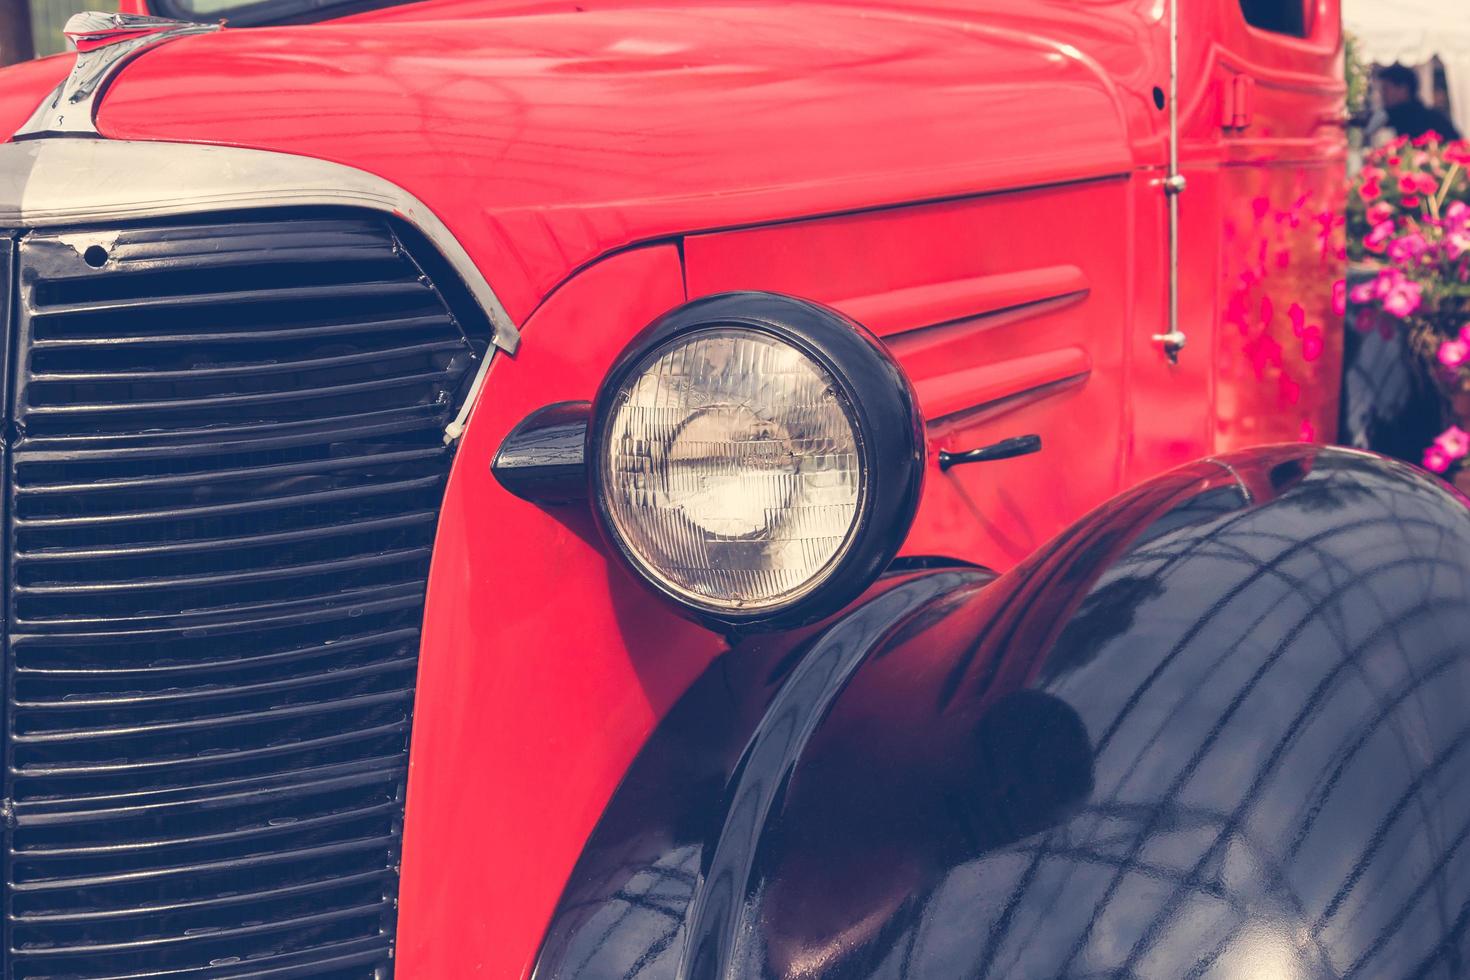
(47, 183)
(104, 42)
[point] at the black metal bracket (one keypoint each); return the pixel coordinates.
(1005, 449)
(541, 460)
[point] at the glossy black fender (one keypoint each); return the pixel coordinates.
(1219, 728)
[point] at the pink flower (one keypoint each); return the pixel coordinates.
(1427, 184)
(1369, 190)
(1429, 137)
(1377, 239)
(1386, 282)
(1407, 250)
(1408, 184)
(1410, 200)
(1455, 442)
(1339, 298)
(1362, 293)
(1404, 299)
(1453, 353)
(1458, 152)
(1436, 460)
(1458, 213)
(1381, 212)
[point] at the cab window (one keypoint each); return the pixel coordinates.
(1279, 16)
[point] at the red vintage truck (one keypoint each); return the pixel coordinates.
(718, 489)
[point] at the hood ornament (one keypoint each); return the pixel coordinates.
(104, 43)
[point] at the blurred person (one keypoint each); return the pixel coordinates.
(1441, 101)
(1398, 90)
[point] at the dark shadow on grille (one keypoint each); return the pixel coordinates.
(222, 499)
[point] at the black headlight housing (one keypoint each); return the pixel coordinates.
(823, 429)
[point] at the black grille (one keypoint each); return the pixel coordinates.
(226, 463)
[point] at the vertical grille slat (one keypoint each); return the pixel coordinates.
(223, 477)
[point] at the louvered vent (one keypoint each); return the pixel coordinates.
(226, 467)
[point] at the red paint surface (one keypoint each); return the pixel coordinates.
(1278, 349)
(23, 86)
(544, 665)
(996, 340)
(978, 180)
(544, 140)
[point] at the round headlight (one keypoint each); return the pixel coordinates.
(741, 451)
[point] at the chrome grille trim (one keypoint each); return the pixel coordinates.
(56, 182)
(217, 546)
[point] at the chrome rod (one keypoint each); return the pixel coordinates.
(1174, 185)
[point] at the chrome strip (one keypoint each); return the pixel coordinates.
(105, 42)
(1174, 185)
(47, 183)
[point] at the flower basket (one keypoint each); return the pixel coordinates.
(1410, 217)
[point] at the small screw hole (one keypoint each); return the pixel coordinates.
(95, 256)
(1158, 97)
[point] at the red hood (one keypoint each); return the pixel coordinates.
(545, 139)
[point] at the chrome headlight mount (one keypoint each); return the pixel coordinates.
(755, 458)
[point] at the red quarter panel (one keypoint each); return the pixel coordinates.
(543, 666)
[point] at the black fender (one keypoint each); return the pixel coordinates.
(1219, 728)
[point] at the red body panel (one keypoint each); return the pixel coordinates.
(23, 86)
(543, 667)
(1008, 316)
(1282, 187)
(545, 140)
(977, 182)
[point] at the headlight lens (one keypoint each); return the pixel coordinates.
(757, 458)
(731, 468)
